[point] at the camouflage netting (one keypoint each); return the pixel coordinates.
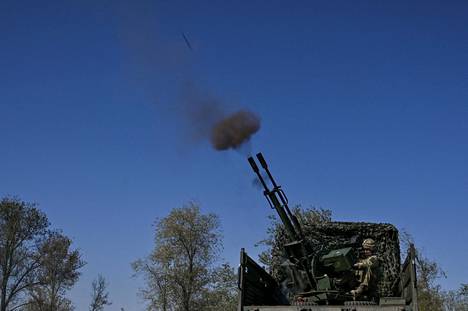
(330, 235)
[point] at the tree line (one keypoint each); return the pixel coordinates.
(38, 264)
(183, 272)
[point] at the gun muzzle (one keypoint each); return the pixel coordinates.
(262, 160)
(253, 165)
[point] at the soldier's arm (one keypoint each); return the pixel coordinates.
(370, 262)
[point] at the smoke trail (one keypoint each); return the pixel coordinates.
(257, 183)
(163, 68)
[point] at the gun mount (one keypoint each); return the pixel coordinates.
(314, 264)
(324, 276)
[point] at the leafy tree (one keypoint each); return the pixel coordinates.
(180, 272)
(158, 286)
(430, 295)
(223, 293)
(57, 273)
(99, 296)
(37, 265)
(41, 302)
(23, 229)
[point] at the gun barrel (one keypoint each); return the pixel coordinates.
(278, 200)
(257, 171)
(253, 165)
(262, 161)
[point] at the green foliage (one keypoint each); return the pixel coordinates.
(180, 273)
(430, 296)
(37, 265)
(222, 293)
(275, 231)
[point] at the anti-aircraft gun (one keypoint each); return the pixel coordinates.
(297, 249)
(321, 278)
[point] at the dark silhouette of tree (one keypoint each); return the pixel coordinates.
(100, 295)
(23, 229)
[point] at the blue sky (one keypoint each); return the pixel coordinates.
(364, 109)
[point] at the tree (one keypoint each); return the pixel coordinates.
(158, 286)
(41, 302)
(57, 273)
(37, 265)
(222, 293)
(99, 296)
(180, 273)
(276, 230)
(457, 300)
(22, 233)
(430, 295)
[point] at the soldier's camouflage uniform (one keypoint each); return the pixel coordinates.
(366, 274)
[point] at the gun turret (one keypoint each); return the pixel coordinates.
(297, 249)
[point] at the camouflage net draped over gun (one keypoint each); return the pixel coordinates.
(331, 235)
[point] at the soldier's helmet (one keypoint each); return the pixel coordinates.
(368, 244)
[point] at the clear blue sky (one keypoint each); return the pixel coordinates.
(364, 108)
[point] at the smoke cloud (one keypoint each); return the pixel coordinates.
(234, 130)
(208, 120)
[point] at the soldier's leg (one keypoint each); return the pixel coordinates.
(367, 277)
(362, 289)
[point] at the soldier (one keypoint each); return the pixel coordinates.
(366, 272)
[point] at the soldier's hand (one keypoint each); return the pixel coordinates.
(358, 265)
